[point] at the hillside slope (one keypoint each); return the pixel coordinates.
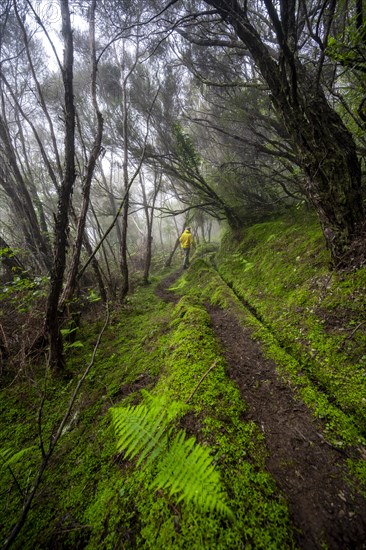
(280, 270)
(261, 349)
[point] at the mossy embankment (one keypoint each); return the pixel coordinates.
(310, 321)
(303, 309)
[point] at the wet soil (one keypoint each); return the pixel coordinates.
(326, 510)
(162, 288)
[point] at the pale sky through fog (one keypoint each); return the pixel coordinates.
(50, 14)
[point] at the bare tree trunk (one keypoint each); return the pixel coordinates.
(123, 250)
(30, 184)
(112, 201)
(13, 184)
(168, 263)
(94, 264)
(209, 229)
(80, 232)
(149, 216)
(62, 219)
(124, 225)
(96, 269)
(98, 235)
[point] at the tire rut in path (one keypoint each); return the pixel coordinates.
(309, 472)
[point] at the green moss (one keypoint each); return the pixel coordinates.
(280, 270)
(261, 515)
(275, 279)
(80, 491)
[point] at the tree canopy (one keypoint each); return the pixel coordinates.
(119, 122)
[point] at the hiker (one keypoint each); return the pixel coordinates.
(186, 240)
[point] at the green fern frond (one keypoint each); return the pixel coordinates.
(140, 430)
(9, 457)
(184, 468)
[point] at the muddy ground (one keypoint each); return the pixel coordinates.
(326, 510)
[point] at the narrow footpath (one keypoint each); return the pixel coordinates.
(310, 472)
(327, 512)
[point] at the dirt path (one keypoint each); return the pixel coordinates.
(326, 512)
(162, 288)
(307, 469)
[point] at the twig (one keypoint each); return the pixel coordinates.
(341, 346)
(46, 456)
(40, 409)
(200, 382)
(16, 481)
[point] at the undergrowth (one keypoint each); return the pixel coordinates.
(276, 279)
(81, 479)
(91, 496)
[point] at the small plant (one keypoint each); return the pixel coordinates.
(8, 458)
(23, 292)
(183, 467)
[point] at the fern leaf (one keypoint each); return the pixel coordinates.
(140, 430)
(186, 470)
(8, 456)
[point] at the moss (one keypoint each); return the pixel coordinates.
(274, 277)
(280, 271)
(262, 519)
(80, 492)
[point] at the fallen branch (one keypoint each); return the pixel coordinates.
(350, 336)
(200, 382)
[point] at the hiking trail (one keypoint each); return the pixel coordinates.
(311, 474)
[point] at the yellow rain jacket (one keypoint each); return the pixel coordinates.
(186, 239)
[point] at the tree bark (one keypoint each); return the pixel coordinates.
(65, 192)
(169, 260)
(14, 185)
(326, 149)
(149, 216)
(70, 284)
(124, 224)
(123, 249)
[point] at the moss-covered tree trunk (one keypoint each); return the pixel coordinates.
(327, 154)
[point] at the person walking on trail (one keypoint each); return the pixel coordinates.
(186, 240)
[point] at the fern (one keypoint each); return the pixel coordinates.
(9, 457)
(141, 430)
(184, 468)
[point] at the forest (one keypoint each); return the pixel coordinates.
(156, 393)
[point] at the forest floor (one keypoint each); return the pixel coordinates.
(256, 354)
(311, 473)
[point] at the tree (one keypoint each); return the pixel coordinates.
(52, 327)
(90, 168)
(148, 205)
(280, 39)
